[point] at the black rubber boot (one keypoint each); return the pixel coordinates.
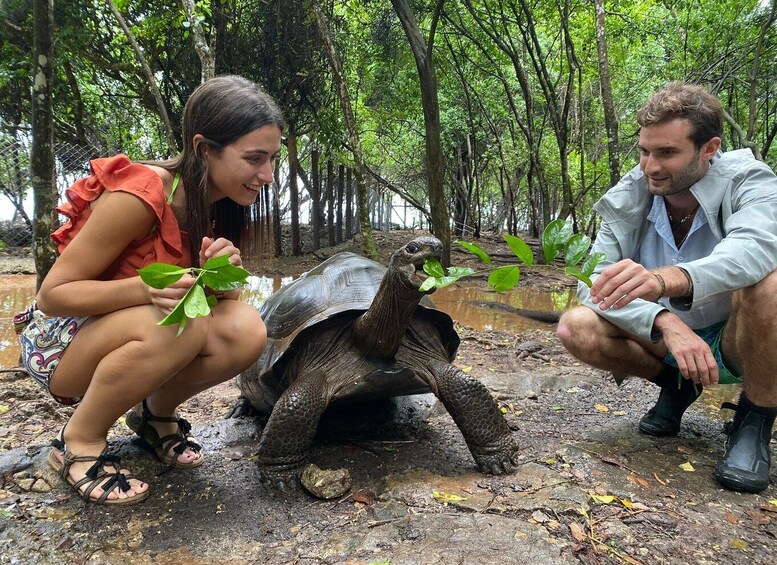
(745, 466)
(664, 418)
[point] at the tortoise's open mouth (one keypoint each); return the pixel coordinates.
(410, 260)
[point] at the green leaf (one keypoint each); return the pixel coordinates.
(212, 300)
(575, 272)
(226, 277)
(520, 248)
(217, 262)
(554, 238)
(161, 275)
(195, 303)
(576, 248)
(589, 265)
(472, 248)
(460, 272)
(428, 284)
(504, 278)
(445, 281)
(433, 268)
(176, 316)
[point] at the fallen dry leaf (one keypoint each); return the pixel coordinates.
(738, 544)
(577, 531)
(601, 408)
(656, 477)
(731, 519)
(687, 467)
(446, 497)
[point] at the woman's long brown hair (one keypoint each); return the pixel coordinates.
(222, 110)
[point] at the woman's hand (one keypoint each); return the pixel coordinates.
(165, 299)
(211, 248)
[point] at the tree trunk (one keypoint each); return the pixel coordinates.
(608, 105)
(330, 200)
(152, 86)
(42, 158)
(291, 144)
(205, 51)
(277, 232)
(339, 210)
(353, 133)
(348, 208)
(315, 199)
(422, 51)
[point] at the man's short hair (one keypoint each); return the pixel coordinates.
(689, 101)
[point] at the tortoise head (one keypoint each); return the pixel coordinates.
(408, 262)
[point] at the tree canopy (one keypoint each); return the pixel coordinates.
(536, 99)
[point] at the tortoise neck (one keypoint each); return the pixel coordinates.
(379, 331)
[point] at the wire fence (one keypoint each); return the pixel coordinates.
(16, 199)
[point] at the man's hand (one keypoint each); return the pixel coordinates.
(693, 355)
(622, 283)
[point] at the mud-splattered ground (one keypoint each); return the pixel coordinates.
(589, 488)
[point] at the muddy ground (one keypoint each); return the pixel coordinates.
(589, 488)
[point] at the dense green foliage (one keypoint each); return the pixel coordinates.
(523, 130)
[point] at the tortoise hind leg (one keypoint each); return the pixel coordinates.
(477, 415)
(284, 443)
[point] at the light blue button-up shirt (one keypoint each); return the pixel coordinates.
(658, 249)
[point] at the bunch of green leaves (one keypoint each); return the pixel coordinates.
(218, 274)
(557, 239)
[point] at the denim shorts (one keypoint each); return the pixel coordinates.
(43, 341)
(712, 336)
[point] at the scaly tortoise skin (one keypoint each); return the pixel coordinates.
(352, 330)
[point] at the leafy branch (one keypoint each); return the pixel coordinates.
(218, 274)
(557, 239)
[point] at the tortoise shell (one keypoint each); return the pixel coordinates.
(346, 282)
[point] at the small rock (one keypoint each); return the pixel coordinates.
(326, 483)
(540, 517)
(390, 510)
(41, 486)
(26, 484)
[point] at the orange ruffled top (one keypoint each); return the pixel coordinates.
(166, 243)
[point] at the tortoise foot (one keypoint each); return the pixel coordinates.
(242, 409)
(283, 480)
(500, 459)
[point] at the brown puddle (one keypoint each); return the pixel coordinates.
(16, 293)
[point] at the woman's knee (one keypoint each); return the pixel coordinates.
(238, 330)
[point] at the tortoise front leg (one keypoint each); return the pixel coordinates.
(477, 415)
(289, 432)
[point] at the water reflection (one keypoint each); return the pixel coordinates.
(16, 293)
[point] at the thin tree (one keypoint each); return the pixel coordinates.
(149, 75)
(42, 158)
(422, 51)
(206, 50)
(608, 105)
(353, 133)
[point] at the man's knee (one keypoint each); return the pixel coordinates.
(575, 326)
(757, 303)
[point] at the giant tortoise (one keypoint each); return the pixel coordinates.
(352, 330)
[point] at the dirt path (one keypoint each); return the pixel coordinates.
(589, 488)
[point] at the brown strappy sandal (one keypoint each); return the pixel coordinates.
(96, 476)
(160, 446)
